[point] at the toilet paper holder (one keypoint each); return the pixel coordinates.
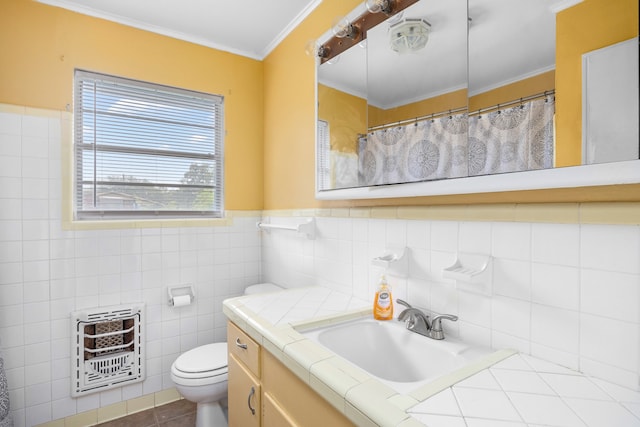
(180, 295)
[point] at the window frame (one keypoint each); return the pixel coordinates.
(82, 145)
(323, 155)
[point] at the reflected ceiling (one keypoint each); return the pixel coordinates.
(491, 62)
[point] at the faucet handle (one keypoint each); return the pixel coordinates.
(403, 302)
(436, 325)
(403, 315)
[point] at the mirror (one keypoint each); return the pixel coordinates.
(417, 125)
(369, 106)
(342, 117)
(511, 85)
(360, 94)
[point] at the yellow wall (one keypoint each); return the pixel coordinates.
(42, 45)
(346, 115)
(590, 25)
(289, 125)
(459, 99)
(269, 105)
(290, 113)
(520, 89)
(437, 104)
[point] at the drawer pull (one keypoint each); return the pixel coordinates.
(251, 393)
(239, 344)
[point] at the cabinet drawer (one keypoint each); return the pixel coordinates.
(243, 348)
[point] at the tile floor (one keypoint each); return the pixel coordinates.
(180, 413)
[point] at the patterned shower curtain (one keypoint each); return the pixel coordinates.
(425, 150)
(5, 417)
(513, 139)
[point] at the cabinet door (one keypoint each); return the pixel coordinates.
(273, 415)
(244, 396)
(299, 402)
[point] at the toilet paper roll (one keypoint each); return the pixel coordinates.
(181, 300)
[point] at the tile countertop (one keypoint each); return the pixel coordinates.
(506, 389)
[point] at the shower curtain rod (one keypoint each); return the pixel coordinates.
(418, 119)
(461, 110)
(514, 102)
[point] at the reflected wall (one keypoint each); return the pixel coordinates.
(509, 67)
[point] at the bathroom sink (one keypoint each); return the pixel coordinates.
(391, 353)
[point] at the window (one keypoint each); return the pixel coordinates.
(323, 155)
(144, 150)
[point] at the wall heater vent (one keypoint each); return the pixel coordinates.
(107, 348)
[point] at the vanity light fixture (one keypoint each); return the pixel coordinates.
(350, 33)
(409, 35)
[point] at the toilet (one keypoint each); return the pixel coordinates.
(262, 288)
(201, 374)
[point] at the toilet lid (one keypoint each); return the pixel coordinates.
(203, 359)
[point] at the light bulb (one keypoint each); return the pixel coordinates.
(376, 6)
(342, 28)
(311, 48)
(333, 60)
(314, 49)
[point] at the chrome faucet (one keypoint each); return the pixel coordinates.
(417, 321)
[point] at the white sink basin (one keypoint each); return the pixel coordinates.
(391, 353)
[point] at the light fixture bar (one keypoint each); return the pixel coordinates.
(367, 20)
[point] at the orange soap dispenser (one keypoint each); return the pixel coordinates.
(383, 302)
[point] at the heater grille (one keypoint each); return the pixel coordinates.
(107, 348)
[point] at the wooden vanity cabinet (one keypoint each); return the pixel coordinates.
(244, 395)
(273, 415)
(299, 403)
(244, 389)
(259, 381)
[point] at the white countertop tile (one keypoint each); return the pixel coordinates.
(634, 408)
(574, 386)
(540, 365)
(441, 420)
(483, 379)
(505, 390)
(443, 403)
(545, 410)
(524, 381)
(479, 422)
(513, 363)
(336, 374)
(370, 397)
(618, 393)
(596, 413)
(477, 403)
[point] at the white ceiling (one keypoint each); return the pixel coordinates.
(249, 28)
(508, 40)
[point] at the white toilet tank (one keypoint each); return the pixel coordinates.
(262, 288)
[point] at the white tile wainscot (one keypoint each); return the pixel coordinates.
(48, 270)
(511, 389)
(558, 290)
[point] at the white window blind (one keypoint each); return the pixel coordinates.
(323, 156)
(146, 150)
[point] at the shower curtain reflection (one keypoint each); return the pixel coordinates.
(5, 416)
(430, 149)
(512, 139)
